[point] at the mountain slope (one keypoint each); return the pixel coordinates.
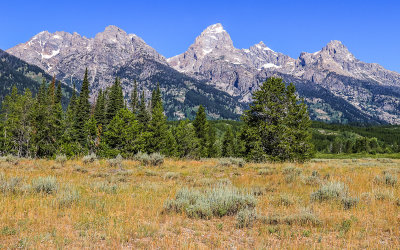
(114, 53)
(15, 72)
(336, 86)
(369, 89)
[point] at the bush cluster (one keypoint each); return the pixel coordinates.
(218, 201)
(47, 185)
(154, 159)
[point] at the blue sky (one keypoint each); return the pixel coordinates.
(370, 29)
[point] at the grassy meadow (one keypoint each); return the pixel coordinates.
(213, 203)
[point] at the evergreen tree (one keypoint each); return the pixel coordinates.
(92, 135)
(212, 149)
(134, 98)
(100, 109)
(52, 90)
(122, 135)
(143, 114)
(277, 124)
(201, 126)
(69, 145)
(58, 97)
(170, 145)
(115, 100)
(82, 111)
(157, 129)
(228, 143)
(47, 120)
(18, 128)
(187, 143)
(156, 96)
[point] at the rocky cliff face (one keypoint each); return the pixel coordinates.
(114, 53)
(212, 57)
(337, 86)
(67, 55)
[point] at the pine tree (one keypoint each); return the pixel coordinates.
(100, 109)
(228, 143)
(47, 122)
(134, 98)
(212, 146)
(157, 129)
(91, 131)
(277, 125)
(122, 135)
(143, 115)
(115, 101)
(201, 126)
(187, 143)
(82, 111)
(58, 97)
(18, 127)
(68, 144)
(52, 90)
(155, 96)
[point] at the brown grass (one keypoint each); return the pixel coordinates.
(123, 207)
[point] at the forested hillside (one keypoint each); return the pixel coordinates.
(22, 75)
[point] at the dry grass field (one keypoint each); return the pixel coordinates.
(199, 204)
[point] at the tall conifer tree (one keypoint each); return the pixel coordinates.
(201, 126)
(82, 111)
(134, 98)
(143, 115)
(115, 101)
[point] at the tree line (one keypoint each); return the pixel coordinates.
(276, 127)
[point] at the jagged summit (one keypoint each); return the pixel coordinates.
(213, 37)
(112, 28)
(213, 59)
(215, 28)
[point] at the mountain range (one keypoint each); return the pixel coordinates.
(336, 85)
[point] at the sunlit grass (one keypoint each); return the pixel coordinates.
(320, 204)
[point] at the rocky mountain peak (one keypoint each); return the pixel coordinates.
(213, 37)
(112, 29)
(336, 49)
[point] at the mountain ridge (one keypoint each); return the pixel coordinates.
(213, 61)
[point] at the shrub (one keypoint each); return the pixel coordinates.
(349, 202)
(383, 194)
(106, 187)
(246, 217)
(311, 180)
(331, 190)
(116, 162)
(61, 159)
(68, 196)
(89, 158)
(257, 190)
(292, 170)
(265, 171)
(390, 179)
(171, 175)
(387, 179)
(286, 200)
(231, 161)
(154, 159)
(305, 217)
(47, 185)
(291, 173)
(218, 201)
(10, 185)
